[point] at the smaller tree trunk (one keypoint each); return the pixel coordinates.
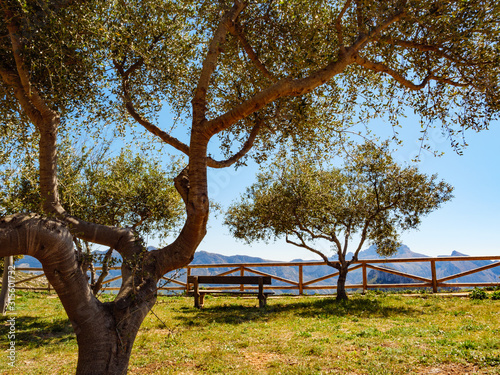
(4, 294)
(341, 293)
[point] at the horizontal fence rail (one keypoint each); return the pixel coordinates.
(178, 284)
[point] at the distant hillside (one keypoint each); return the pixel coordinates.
(379, 277)
(354, 277)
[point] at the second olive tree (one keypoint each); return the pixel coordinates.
(370, 196)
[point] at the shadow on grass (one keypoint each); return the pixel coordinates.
(320, 308)
(37, 332)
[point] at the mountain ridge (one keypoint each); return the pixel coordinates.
(421, 269)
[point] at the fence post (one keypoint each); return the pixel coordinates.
(188, 273)
(242, 273)
(434, 278)
(365, 280)
(301, 280)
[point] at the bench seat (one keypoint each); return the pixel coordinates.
(199, 294)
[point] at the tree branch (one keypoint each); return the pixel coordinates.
(210, 62)
(104, 271)
(359, 18)
(247, 146)
(308, 231)
(235, 29)
(42, 116)
(363, 39)
(282, 88)
(24, 78)
(338, 23)
(50, 242)
(11, 79)
(346, 238)
(431, 48)
(291, 87)
(164, 136)
(361, 241)
(382, 68)
(305, 246)
(181, 183)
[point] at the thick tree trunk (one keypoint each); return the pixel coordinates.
(341, 293)
(104, 347)
(105, 331)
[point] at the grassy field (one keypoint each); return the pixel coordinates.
(371, 334)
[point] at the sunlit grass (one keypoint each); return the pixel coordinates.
(372, 334)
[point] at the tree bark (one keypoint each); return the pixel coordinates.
(4, 294)
(105, 332)
(341, 293)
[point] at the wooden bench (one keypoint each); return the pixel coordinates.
(199, 294)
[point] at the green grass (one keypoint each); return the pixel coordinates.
(372, 334)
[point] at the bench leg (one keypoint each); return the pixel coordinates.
(196, 293)
(262, 296)
(197, 300)
(262, 301)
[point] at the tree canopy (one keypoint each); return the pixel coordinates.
(369, 196)
(327, 63)
(125, 190)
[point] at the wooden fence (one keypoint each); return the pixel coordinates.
(301, 285)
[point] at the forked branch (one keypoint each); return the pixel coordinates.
(364, 39)
(304, 245)
(382, 68)
(210, 62)
(129, 105)
(247, 146)
(236, 30)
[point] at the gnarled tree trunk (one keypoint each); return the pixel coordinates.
(105, 331)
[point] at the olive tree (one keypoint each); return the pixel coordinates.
(254, 74)
(370, 196)
(124, 190)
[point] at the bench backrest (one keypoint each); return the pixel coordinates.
(266, 280)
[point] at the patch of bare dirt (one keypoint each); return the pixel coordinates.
(260, 361)
(157, 367)
(450, 369)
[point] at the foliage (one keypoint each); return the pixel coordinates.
(71, 47)
(294, 39)
(495, 295)
(370, 195)
(478, 293)
(123, 190)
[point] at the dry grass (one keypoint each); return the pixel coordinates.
(372, 334)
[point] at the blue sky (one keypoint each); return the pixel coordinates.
(469, 224)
